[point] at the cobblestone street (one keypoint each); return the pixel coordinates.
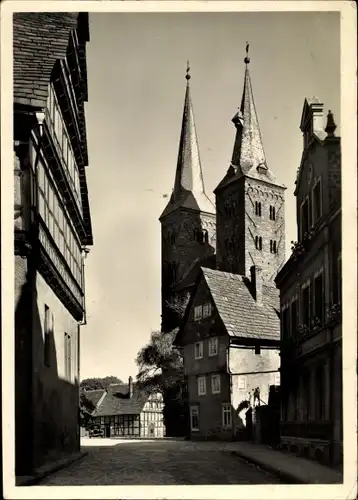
(161, 462)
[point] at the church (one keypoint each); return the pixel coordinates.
(219, 263)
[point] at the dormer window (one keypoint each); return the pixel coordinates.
(317, 200)
(207, 310)
(258, 208)
(272, 213)
(198, 313)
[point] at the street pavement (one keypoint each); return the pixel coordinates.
(158, 462)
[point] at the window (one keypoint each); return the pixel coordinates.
(257, 350)
(272, 213)
(198, 313)
(201, 386)
(306, 305)
(306, 379)
(215, 384)
(226, 415)
(305, 217)
(241, 383)
(273, 246)
(317, 201)
(320, 392)
(319, 297)
(194, 418)
(198, 350)
(258, 208)
(207, 310)
(213, 346)
(258, 242)
(68, 357)
(48, 331)
(286, 323)
(294, 318)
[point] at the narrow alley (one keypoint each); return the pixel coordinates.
(160, 462)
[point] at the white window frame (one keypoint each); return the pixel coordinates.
(200, 349)
(194, 409)
(243, 386)
(198, 313)
(213, 341)
(207, 310)
(226, 410)
(215, 376)
(203, 392)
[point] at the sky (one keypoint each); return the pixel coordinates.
(136, 67)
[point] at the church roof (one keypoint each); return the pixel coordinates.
(248, 157)
(238, 309)
(188, 189)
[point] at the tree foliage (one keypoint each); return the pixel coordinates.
(94, 383)
(85, 410)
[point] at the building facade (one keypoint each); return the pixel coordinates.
(187, 224)
(52, 231)
(310, 297)
(231, 328)
(126, 411)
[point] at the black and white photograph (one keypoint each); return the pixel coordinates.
(179, 249)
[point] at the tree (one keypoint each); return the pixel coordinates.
(94, 383)
(85, 411)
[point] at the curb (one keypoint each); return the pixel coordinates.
(50, 469)
(287, 477)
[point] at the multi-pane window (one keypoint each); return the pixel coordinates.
(52, 213)
(55, 121)
(213, 346)
(201, 386)
(273, 246)
(194, 418)
(198, 313)
(258, 242)
(215, 384)
(226, 415)
(320, 391)
(272, 213)
(318, 297)
(306, 380)
(241, 383)
(306, 304)
(48, 332)
(258, 208)
(198, 350)
(294, 317)
(68, 356)
(207, 310)
(317, 201)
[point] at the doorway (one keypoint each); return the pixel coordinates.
(151, 430)
(107, 431)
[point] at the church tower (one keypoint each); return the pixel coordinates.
(250, 217)
(188, 223)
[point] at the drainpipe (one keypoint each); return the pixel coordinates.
(85, 251)
(233, 415)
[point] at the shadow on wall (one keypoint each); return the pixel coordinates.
(46, 408)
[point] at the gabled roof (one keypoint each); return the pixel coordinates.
(188, 189)
(118, 402)
(242, 317)
(94, 396)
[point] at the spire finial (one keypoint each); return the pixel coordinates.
(331, 126)
(187, 76)
(247, 59)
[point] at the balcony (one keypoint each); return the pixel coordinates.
(309, 430)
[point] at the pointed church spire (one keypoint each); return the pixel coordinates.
(189, 189)
(248, 156)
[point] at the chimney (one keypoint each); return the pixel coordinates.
(130, 387)
(256, 281)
